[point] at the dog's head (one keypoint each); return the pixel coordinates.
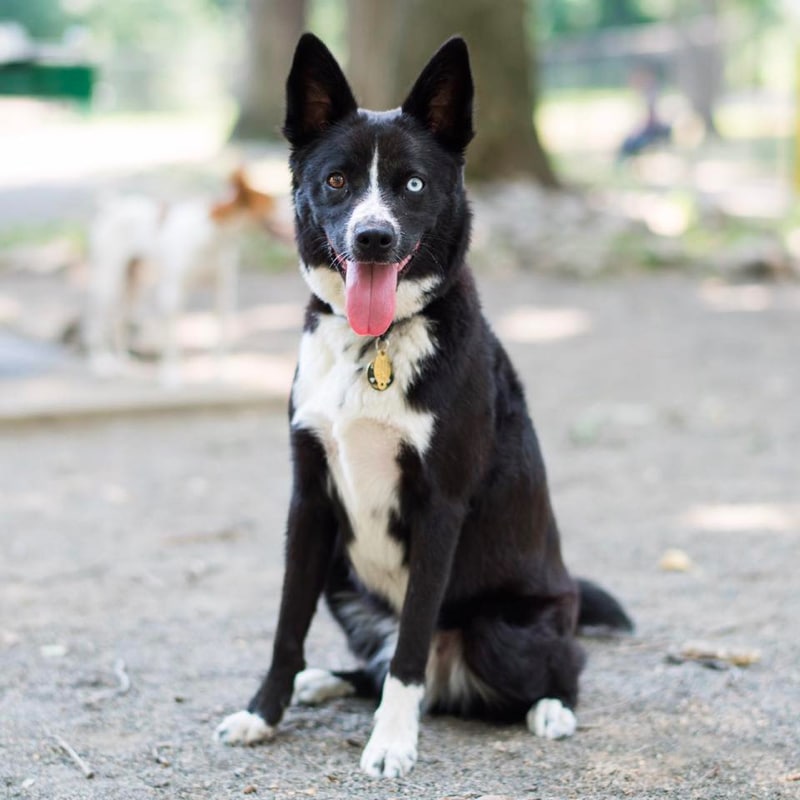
(381, 215)
(244, 202)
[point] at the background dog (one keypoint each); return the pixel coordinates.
(136, 242)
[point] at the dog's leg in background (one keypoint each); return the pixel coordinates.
(227, 291)
(311, 532)
(119, 331)
(170, 304)
(123, 313)
(392, 747)
(96, 334)
(105, 314)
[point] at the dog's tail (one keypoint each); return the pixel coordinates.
(599, 608)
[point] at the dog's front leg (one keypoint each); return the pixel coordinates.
(311, 533)
(392, 747)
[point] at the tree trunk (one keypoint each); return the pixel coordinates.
(507, 144)
(273, 28)
(375, 30)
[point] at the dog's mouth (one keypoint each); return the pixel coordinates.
(370, 290)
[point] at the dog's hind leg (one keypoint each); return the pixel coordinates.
(371, 630)
(314, 686)
(512, 672)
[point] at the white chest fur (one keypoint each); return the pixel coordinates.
(362, 431)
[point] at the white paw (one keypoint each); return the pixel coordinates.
(551, 719)
(390, 752)
(243, 728)
(314, 686)
(392, 749)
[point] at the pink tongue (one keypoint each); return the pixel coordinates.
(371, 293)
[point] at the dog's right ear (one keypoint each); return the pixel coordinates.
(317, 93)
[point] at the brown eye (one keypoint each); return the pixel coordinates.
(335, 180)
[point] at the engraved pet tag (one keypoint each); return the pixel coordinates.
(379, 372)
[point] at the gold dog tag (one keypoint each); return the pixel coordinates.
(379, 372)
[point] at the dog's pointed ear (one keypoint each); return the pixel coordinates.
(317, 93)
(441, 99)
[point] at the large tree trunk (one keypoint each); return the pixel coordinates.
(375, 31)
(273, 28)
(507, 144)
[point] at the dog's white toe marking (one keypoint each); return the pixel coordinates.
(314, 686)
(389, 753)
(392, 749)
(243, 727)
(551, 719)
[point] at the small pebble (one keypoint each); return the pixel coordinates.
(53, 650)
(675, 560)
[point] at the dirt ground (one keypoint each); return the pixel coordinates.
(149, 548)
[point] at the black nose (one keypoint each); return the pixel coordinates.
(373, 241)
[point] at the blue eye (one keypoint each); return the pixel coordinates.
(415, 184)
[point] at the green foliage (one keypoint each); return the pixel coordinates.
(40, 234)
(152, 25)
(555, 17)
(43, 19)
(147, 24)
(564, 17)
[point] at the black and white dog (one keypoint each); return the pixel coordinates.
(420, 506)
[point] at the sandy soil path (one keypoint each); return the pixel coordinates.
(669, 417)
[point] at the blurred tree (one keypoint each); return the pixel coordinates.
(374, 31)
(273, 27)
(700, 66)
(578, 16)
(42, 19)
(390, 43)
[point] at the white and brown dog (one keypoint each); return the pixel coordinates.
(136, 241)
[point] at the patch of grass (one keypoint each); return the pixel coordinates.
(640, 249)
(43, 233)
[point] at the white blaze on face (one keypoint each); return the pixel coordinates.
(372, 207)
(371, 287)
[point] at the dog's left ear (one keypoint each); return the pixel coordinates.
(317, 93)
(441, 99)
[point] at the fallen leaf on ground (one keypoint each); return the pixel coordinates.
(715, 657)
(675, 560)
